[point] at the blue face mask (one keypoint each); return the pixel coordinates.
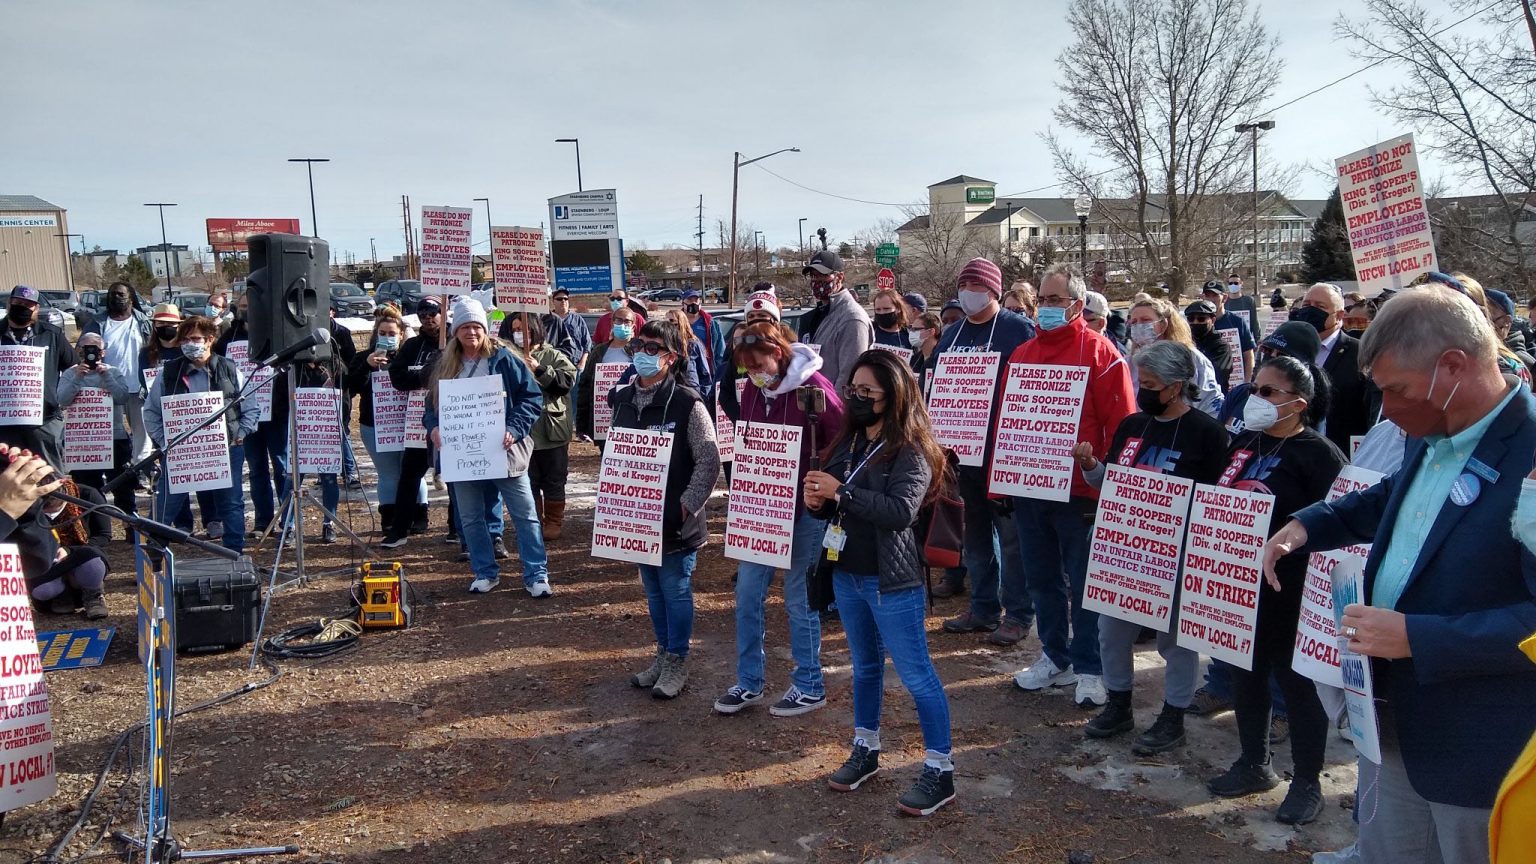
(623, 332)
(1051, 317)
(647, 365)
(387, 343)
(615, 305)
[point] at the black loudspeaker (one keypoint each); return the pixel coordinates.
(289, 291)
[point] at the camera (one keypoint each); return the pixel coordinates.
(91, 355)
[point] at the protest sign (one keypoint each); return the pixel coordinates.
(1389, 231)
(1219, 603)
(260, 398)
(1133, 561)
(606, 377)
(317, 414)
(415, 413)
(202, 461)
(1273, 318)
(88, 431)
(472, 421)
(765, 486)
(389, 407)
(1037, 429)
(22, 370)
(1354, 669)
(445, 255)
(26, 726)
(1317, 641)
(725, 434)
(1233, 339)
(904, 353)
(631, 496)
(151, 375)
(960, 402)
(519, 269)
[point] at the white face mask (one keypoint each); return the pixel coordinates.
(915, 337)
(1144, 333)
(1260, 414)
(974, 302)
(1524, 523)
(517, 338)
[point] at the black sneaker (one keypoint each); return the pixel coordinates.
(1114, 719)
(500, 549)
(934, 788)
(393, 541)
(1243, 779)
(737, 698)
(794, 703)
(863, 763)
(450, 538)
(1303, 803)
(1166, 733)
(95, 605)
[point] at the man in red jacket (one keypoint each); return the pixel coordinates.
(1054, 535)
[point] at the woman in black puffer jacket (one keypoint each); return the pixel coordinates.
(880, 472)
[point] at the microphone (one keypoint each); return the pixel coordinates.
(321, 336)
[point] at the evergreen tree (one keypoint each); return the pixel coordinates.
(138, 274)
(1325, 257)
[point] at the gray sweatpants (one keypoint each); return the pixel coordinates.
(1117, 644)
(1397, 826)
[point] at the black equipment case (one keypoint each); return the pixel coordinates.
(217, 603)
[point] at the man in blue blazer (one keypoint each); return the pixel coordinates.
(1451, 592)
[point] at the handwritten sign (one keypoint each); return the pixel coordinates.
(317, 414)
(1389, 231)
(1133, 560)
(606, 377)
(1317, 640)
(88, 431)
(26, 726)
(445, 250)
(1218, 608)
(202, 461)
(631, 496)
(960, 402)
(1354, 669)
(1233, 339)
(904, 353)
(1037, 429)
(472, 420)
(22, 369)
(765, 487)
(389, 407)
(519, 269)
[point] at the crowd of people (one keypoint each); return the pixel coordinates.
(1428, 385)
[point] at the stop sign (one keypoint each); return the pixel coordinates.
(886, 280)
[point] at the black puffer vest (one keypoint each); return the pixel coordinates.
(668, 412)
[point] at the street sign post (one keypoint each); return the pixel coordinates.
(885, 254)
(886, 280)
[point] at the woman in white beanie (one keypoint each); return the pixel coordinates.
(472, 353)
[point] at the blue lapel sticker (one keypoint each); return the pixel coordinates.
(1465, 490)
(1476, 466)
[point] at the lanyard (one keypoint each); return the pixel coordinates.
(867, 456)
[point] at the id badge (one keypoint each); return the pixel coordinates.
(834, 541)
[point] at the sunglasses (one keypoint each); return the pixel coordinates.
(428, 313)
(860, 391)
(1265, 391)
(617, 299)
(652, 348)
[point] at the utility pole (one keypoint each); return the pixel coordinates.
(170, 283)
(802, 238)
(410, 239)
(736, 163)
(700, 237)
(309, 166)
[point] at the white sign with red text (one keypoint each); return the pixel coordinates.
(1389, 231)
(765, 488)
(202, 461)
(445, 250)
(260, 397)
(605, 377)
(88, 431)
(960, 402)
(1037, 429)
(1223, 555)
(904, 353)
(519, 269)
(1133, 559)
(1317, 640)
(26, 725)
(631, 496)
(317, 413)
(389, 407)
(22, 370)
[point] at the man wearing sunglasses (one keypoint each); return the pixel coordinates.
(843, 331)
(411, 370)
(618, 298)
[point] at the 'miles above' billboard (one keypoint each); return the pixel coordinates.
(229, 235)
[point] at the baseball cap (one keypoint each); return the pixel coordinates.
(1500, 299)
(1296, 339)
(25, 292)
(824, 262)
(429, 304)
(692, 294)
(916, 301)
(167, 312)
(1096, 304)
(952, 304)
(1213, 287)
(1200, 307)
(561, 292)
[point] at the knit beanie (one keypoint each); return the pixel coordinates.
(764, 301)
(983, 271)
(466, 310)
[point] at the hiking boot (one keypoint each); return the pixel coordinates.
(1207, 704)
(948, 587)
(327, 533)
(1114, 719)
(554, 520)
(499, 549)
(794, 703)
(965, 622)
(95, 605)
(1008, 633)
(647, 678)
(1243, 779)
(934, 788)
(1166, 733)
(1279, 729)
(214, 530)
(1043, 674)
(737, 698)
(863, 763)
(1090, 691)
(1303, 803)
(673, 677)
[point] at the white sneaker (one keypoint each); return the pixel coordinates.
(540, 589)
(1042, 675)
(483, 586)
(1090, 691)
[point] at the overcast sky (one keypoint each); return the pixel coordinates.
(108, 104)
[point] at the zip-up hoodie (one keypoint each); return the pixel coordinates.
(1110, 397)
(780, 407)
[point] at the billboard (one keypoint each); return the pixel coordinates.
(585, 249)
(229, 235)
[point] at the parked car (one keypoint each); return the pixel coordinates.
(405, 293)
(66, 300)
(663, 295)
(48, 311)
(729, 320)
(350, 301)
(91, 304)
(191, 302)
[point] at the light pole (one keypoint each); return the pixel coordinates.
(170, 282)
(373, 253)
(490, 238)
(1009, 235)
(757, 256)
(1082, 206)
(736, 163)
(309, 165)
(1255, 128)
(802, 238)
(577, 142)
(69, 263)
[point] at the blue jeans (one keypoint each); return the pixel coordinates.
(472, 498)
(669, 594)
(495, 514)
(168, 507)
(266, 454)
(752, 582)
(991, 556)
(1054, 537)
(876, 624)
(388, 467)
(348, 457)
(330, 493)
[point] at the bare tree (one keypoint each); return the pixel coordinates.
(1472, 101)
(936, 244)
(1156, 86)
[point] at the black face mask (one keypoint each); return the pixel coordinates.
(166, 334)
(1200, 331)
(1151, 401)
(691, 308)
(887, 320)
(117, 304)
(239, 314)
(1312, 315)
(20, 316)
(861, 412)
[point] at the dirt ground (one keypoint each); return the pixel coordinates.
(503, 728)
